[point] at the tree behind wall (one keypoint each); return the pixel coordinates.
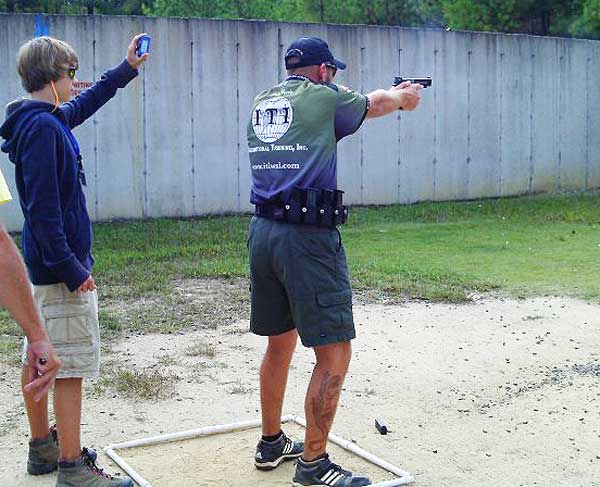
(542, 17)
(588, 24)
(539, 17)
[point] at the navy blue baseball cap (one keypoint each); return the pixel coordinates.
(311, 51)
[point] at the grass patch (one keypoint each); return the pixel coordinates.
(8, 326)
(10, 351)
(109, 322)
(150, 272)
(159, 315)
(436, 251)
(166, 361)
(239, 388)
(143, 257)
(137, 384)
(525, 246)
(201, 349)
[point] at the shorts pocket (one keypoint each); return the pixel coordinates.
(320, 243)
(68, 323)
(335, 308)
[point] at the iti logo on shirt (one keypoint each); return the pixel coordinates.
(272, 118)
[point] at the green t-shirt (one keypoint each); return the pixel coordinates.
(293, 134)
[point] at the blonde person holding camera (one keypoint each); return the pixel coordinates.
(57, 244)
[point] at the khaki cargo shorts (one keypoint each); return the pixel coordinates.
(71, 321)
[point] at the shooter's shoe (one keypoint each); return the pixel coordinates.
(324, 472)
(270, 454)
(85, 473)
(43, 454)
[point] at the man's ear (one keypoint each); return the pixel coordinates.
(322, 72)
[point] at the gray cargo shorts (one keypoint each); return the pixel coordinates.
(299, 279)
(71, 321)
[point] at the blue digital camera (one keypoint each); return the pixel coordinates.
(143, 45)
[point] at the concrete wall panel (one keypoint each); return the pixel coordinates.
(593, 116)
(215, 117)
(515, 108)
(119, 127)
(380, 137)
(483, 108)
(168, 120)
(498, 120)
(417, 129)
(544, 116)
(452, 116)
(573, 56)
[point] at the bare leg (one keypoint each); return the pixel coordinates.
(37, 412)
(273, 379)
(67, 407)
(323, 395)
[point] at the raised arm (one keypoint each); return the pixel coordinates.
(89, 102)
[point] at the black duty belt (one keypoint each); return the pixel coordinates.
(318, 207)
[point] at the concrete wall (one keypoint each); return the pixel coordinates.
(508, 114)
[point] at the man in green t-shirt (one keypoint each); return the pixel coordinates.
(299, 273)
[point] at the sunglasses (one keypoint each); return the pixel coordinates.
(71, 72)
(334, 68)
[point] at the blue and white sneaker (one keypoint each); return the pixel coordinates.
(324, 472)
(270, 454)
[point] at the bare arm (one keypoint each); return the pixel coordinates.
(405, 96)
(15, 291)
(15, 295)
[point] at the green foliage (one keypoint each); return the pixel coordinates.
(109, 7)
(541, 17)
(588, 24)
(388, 12)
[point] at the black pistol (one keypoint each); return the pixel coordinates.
(424, 82)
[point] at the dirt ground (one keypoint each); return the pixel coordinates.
(493, 393)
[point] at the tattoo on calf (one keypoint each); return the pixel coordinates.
(324, 407)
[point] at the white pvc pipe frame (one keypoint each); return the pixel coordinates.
(403, 478)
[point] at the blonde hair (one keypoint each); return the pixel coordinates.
(42, 60)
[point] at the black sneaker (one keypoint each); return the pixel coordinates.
(324, 472)
(270, 454)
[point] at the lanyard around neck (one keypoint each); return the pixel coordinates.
(71, 137)
(75, 145)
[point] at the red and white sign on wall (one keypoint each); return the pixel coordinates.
(79, 86)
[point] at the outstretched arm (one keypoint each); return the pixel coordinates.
(91, 100)
(405, 96)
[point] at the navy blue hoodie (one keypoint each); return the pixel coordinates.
(57, 233)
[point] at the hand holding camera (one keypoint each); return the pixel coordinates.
(138, 50)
